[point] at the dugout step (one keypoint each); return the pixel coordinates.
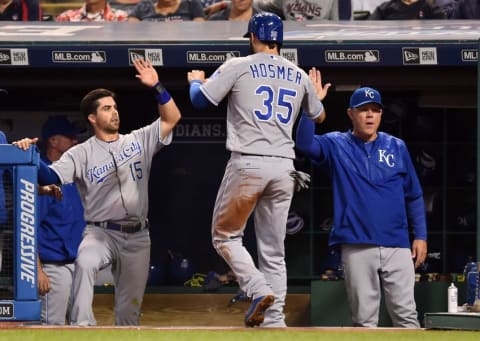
(459, 321)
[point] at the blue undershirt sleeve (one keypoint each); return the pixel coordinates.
(46, 175)
(304, 140)
(416, 215)
(197, 98)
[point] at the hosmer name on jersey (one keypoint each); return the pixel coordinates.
(27, 231)
(276, 72)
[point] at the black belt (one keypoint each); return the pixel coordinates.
(125, 228)
(248, 154)
(65, 262)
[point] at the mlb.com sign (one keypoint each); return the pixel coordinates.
(469, 55)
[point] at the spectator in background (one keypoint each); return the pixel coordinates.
(407, 10)
(467, 9)
(298, 10)
(61, 225)
(210, 8)
(238, 10)
(20, 10)
(365, 5)
(345, 10)
(207, 4)
(362, 9)
(93, 10)
(269, 6)
(168, 10)
(124, 5)
(448, 6)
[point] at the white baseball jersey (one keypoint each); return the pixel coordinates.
(112, 177)
(276, 90)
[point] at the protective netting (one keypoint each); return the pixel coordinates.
(6, 233)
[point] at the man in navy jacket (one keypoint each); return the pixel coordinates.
(60, 229)
(376, 197)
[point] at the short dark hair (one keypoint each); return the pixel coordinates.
(89, 103)
(272, 44)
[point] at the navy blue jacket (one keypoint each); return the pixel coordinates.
(376, 192)
(61, 224)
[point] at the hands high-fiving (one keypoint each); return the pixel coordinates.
(316, 78)
(146, 72)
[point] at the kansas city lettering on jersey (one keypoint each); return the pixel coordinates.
(280, 72)
(128, 152)
(27, 231)
(99, 173)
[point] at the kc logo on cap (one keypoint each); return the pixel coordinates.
(365, 95)
(369, 93)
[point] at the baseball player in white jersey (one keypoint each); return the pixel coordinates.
(111, 171)
(265, 94)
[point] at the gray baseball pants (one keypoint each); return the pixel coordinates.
(368, 270)
(129, 255)
(56, 304)
(261, 184)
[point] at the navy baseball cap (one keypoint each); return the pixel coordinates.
(365, 95)
(58, 125)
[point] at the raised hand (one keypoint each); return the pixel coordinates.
(316, 78)
(146, 72)
(196, 75)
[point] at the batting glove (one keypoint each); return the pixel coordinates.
(302, 180)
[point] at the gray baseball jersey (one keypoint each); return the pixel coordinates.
(276, 90)
(112, 177)
(265, 95)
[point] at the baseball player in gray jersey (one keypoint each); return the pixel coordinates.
(111, 171)
(265, 94)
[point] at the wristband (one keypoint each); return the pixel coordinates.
(162, 94)
(196, 81)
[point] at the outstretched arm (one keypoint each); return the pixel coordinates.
(196, 78)
(305, 138)
(46, 175)
(168, 110)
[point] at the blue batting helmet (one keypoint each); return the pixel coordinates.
(266, 27)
